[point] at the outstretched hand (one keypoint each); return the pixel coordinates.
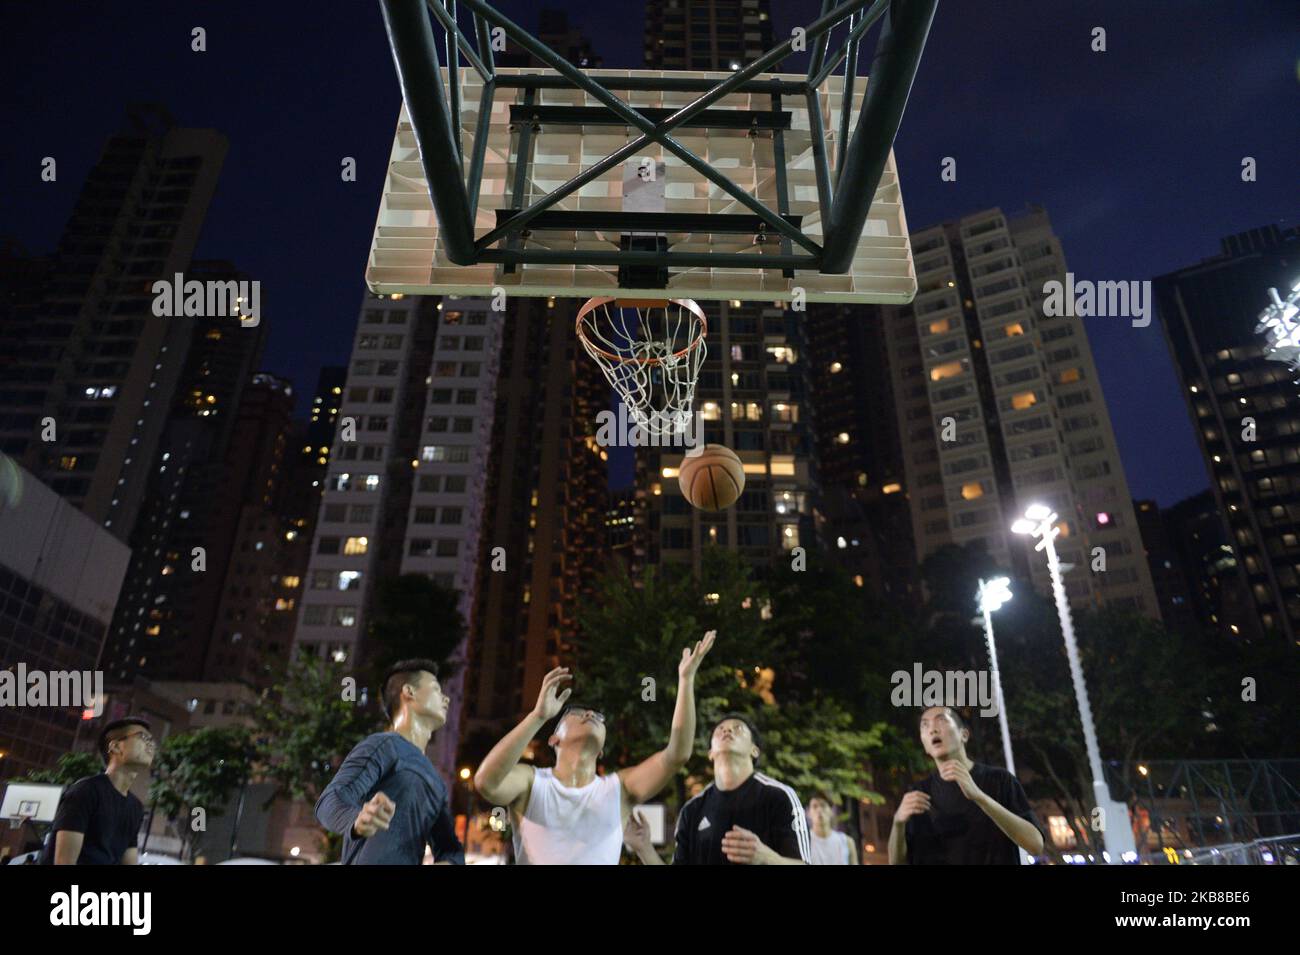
(550, 699)
(691, 659)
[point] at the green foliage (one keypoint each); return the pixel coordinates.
(634, 629)
(305, 727)
(815, 747)
(413, 617)
(70, 768)
(201, 769)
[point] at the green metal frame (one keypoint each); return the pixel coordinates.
(435, 119)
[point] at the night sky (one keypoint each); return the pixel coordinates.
(1135, 153)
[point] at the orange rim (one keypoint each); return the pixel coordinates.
(593, 303)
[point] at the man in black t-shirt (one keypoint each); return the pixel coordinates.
(98, 819)
(965, 813)
(742, 818)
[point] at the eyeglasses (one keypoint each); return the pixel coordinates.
(145, 737)
(596, 715)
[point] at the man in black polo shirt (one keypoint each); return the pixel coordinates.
(98, 819)
(965, 813)
(742, 818)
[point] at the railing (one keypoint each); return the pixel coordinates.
(1274, 850)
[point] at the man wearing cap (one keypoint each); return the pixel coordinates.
(98, 820)
(570, 815)
(742, 818)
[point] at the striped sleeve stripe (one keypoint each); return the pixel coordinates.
(798, 821)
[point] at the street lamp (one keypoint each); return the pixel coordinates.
(991, 596)
(1039, 521)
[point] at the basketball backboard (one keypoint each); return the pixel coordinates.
(408, 255)
(34, 801)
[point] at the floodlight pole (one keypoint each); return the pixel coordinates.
(1118, 838)
(987, 610)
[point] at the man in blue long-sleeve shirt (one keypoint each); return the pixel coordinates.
(387, 800)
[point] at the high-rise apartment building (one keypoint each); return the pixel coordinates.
(261, 582)
(185, 528)
(1218, 589)
(753, 390)
(405, 489)
(706, 34)
(547, 492)
(753, 397)
(97, 364)
(863, 516)
(999, 406)
(1243, 407)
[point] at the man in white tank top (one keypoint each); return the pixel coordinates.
(569, 815)
(827, 845)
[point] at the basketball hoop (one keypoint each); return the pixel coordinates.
(651, 351)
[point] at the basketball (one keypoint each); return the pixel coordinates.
(712, 479)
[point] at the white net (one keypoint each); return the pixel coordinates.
(651, 354)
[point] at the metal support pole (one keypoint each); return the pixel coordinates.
(820, 168)
(782, 188)
(898, 54)
(415, 55)
(846, 103)
(519, 191)
(453, 77)
(481, 131)
(1101, 792)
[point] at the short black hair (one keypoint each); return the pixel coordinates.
(819, 794)
(397, 676)
(956, 717)
(110, 734)
(749, 722)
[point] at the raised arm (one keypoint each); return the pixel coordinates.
(645, 780)
(500, 779)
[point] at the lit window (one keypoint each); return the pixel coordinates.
(939, 326)
(842, 437)
(355, 546)
(971, 491)
(350, 579)
(836, 368)
(891, 488)
(1014, 329)
(1069, 375)
(1026, 399)
(710, 411)
(290, 582)
(950, 369)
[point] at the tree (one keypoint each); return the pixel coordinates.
(1145, 685)
(194, 776)
(634, 631)
(70, 768)
(306, 724)
(413, 616)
